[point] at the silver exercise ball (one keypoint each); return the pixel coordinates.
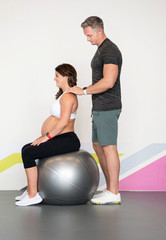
(68, 179)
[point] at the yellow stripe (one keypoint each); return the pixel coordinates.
(15, 158)
(96, 158)
(10, 161)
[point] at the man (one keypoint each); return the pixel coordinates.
(106, 101)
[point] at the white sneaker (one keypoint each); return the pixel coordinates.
(26, 201)
(100, 194)
(108, 198)
(19, 198)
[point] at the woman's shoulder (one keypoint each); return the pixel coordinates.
(69, 97)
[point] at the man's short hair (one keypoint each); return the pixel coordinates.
(93, 22)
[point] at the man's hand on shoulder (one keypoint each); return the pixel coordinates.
(76, 90)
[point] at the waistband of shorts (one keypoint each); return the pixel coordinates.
(106, 112)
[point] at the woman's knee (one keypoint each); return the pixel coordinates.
(25, 147)
(27, 157)
(26, 152)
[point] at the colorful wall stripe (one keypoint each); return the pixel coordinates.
(150, 178)
(144, 170)
(10, 161)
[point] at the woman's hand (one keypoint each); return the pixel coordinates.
(40, 140)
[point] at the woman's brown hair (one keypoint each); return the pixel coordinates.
(67, 70)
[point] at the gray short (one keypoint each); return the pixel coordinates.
(105, 127)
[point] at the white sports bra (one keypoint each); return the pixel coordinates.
(56, 109)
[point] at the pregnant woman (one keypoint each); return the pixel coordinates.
(57, 133)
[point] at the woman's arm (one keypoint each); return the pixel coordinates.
(67, 102)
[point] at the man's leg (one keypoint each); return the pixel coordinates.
(110, 164)
(113, 167)
(102, 160)
(104, 136)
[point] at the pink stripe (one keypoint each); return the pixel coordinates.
(149, 178)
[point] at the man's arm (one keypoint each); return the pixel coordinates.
(110, 73)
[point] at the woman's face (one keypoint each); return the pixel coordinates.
(60, 80)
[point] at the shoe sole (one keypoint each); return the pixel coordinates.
(30, 204)
(108, 203)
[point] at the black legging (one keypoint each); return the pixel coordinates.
(64, 143)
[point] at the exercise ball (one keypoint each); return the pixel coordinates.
(68, 179)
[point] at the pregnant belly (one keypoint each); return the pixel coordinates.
(48, 124)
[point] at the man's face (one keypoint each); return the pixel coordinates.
(92, 35)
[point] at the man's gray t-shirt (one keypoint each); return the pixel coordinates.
(107, 53)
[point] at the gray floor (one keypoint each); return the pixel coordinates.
(142, 215)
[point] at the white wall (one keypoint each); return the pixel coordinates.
(37, 35)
